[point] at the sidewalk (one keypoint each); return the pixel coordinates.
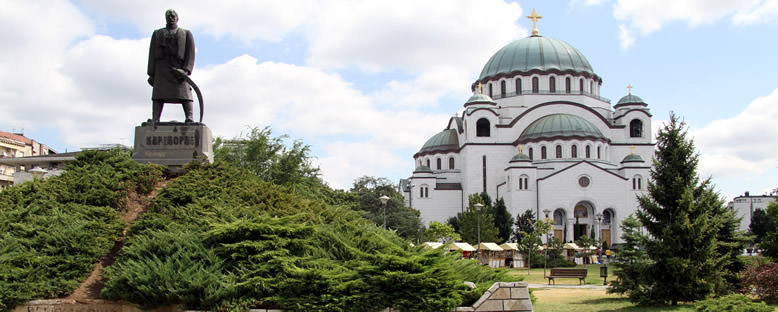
(574, 286)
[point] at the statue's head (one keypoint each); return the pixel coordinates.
(171, 17)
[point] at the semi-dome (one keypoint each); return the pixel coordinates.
(536, 53)
(444, 140)
(630, 99)
(556, 125)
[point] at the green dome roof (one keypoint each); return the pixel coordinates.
(632, 158)
(536, 52)
(520, 157)
(422, 169)
(444, 140)
(560, 125)
(480, 98)
(630, 99)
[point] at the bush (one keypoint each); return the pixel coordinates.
(734, 303)
(45, 224)
(761, 280)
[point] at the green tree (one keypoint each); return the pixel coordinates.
(502, 220)
(440, 232)
(761, 225)
(468, 223)
(692, 236)
(525, 223)
(769, 244)
(405, 220)
(530, 241)
(631, 261)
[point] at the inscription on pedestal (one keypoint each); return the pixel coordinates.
(172, 144)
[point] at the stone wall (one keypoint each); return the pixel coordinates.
(503, 297)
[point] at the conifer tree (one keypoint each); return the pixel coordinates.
(691, 240)
(502, 220)
(468, 223)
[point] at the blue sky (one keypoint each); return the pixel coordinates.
(365, 83)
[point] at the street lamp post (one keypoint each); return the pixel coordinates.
(479, 206)
(545, 250)
(604, 268)
(384, 199)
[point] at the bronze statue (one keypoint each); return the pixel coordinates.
(171, 60)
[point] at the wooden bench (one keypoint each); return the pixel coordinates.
(580, 274)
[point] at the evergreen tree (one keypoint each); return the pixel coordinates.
(502, 220)
(691, 243)
(761, 224)
(524, 223)
(631, 260)
(468, 223)
(769, 243)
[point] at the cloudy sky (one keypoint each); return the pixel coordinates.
(365, 83)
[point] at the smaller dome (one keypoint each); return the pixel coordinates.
(555, 125)
(520, 158)
(630, 99)
(632, 158)
(480, 98)
(422, 169)
(444, 140)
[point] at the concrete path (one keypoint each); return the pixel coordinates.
(574, 286)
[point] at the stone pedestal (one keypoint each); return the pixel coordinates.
(172, 144)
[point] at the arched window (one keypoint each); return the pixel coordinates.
(542, 152)
(607, 216)
(518, 85)
(552, 84)
(523, 182)
(588, 151)
(580, 85)
(438, 161)
(530, 154)
(490, 90)
(567, 85)
(598, 153)
(635, 128)
(591, 87)
(559, 217)
(451, 163)
(428, 162)
(502, 88)
(574, 151)
(535, 85)
(559, 151)
(482, 128)
(637, 183)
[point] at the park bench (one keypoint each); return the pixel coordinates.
(580, 274)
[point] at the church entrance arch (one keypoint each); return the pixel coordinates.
(559, 224)
(583, 214)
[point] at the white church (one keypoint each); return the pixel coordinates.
(537, 133)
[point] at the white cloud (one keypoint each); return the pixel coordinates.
(648, 16)
(741, 145)
(587, 2)
(626, 36)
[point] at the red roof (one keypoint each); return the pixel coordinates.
(16, 137)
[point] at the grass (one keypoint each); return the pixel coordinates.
(580, 300)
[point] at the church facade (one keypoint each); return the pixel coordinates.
(537, 133)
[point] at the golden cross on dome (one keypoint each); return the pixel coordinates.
(629, 86)
(534, 17)
(520, 149)
(480, 88)
(632, 148)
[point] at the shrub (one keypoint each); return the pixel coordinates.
(761, 280)
(734, 303)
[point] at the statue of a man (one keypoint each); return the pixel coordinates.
(171, 60)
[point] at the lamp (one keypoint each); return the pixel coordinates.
(479, 206)
(545, 250)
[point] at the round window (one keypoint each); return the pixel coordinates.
(584, 181)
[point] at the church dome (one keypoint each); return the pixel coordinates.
(630, 99)
(556, 125)
(520, 157)
(480, 98)
(536, 53)
(632, 158)
(444, 140)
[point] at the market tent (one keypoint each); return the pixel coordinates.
(432, 245)
(490, 247)
(461, 246)
(571, 246)
(510, 246)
